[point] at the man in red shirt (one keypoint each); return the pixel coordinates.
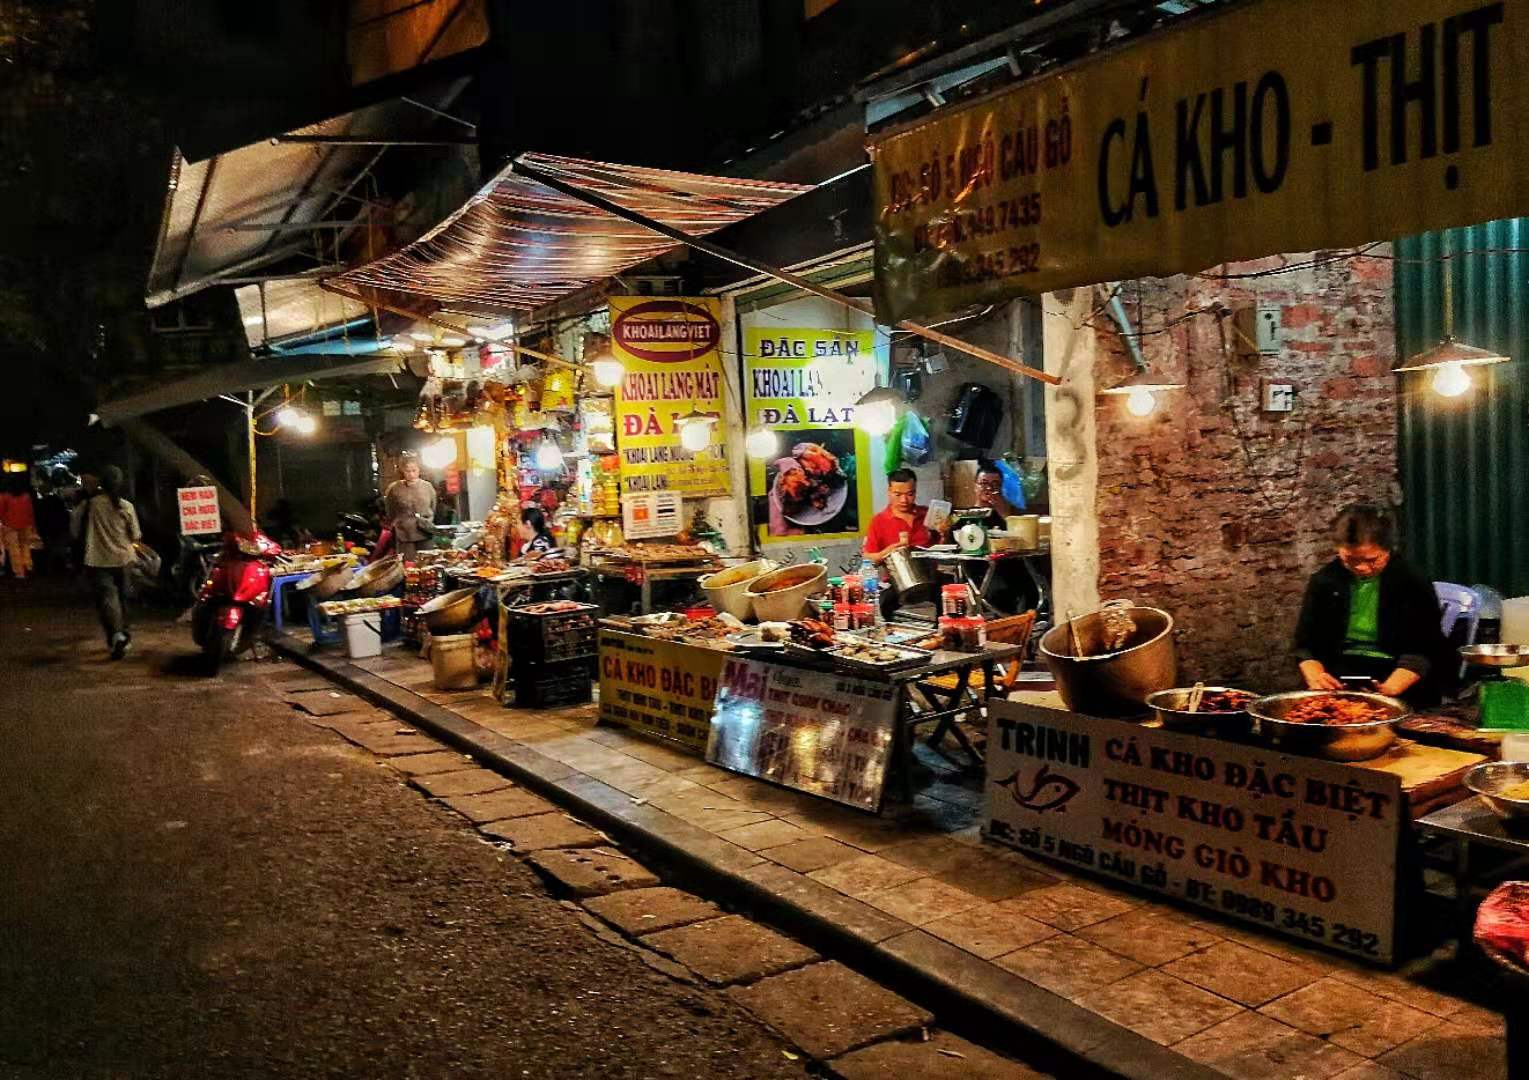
(901, 524)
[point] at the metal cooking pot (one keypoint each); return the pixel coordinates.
(452, 613)
(1114, 684)
(908, 577)
(1172, 708)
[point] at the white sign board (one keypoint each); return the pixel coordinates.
(814, 731)
(1299, 846)
(198, 508)
(657, 513)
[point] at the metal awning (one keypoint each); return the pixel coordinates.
(231, 215)
(282, 312)
(236, 378)
(518, 244)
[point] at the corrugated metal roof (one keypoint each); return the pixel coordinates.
(1465, 461)
(279, 310)
(517, 245)
(213, 207)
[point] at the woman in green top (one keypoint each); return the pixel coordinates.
(1367, 613)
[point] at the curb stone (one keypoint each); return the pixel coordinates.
(976, 997)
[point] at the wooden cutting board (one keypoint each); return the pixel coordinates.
(1428, 773)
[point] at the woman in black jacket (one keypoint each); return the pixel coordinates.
(1368, 613)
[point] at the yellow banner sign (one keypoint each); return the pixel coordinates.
(670, 348)
(662, 688)
(1286, 125)
(802, 385)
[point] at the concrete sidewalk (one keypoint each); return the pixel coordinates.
(1131, 986)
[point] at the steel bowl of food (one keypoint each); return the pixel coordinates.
(1222, 710)
(1503, 786)
(452, 613)
(1341, 725)
(1497, 656)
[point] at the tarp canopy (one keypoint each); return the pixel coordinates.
(517, 244)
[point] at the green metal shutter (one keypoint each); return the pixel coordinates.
(1463, 462)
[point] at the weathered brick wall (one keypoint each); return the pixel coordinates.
(1216, 511)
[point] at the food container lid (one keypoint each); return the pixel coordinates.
(953, 590)
(862, 609)
(700, 612)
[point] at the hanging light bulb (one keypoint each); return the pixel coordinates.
(1140, 401)
(761, 442)
(305, 424)
(452, 341)
(876, 411)
(549, 456)
(421, 336)
(1451, 380)
(607, 370)
(695, 436)
(439, 454)
(287, 416)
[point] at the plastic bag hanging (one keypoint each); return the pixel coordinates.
(1013, 485)
(914, 438)
(895, 444)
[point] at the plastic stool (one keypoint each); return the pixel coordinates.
(278, 601)
(326, 631)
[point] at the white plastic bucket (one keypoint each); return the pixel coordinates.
(363, 635)
(451, 659)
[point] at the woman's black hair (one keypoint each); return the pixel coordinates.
(534, 517)
(1365, 523)
(902, 476)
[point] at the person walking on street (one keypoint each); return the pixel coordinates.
(18, 525)
(110, 529)
(79, 518)
(409, 502)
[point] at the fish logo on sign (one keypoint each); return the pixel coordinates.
(666, 331)
(1048, 791)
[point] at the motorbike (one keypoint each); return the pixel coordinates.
(232, 604)
(193, 562)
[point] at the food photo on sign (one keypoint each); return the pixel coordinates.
(809, 487)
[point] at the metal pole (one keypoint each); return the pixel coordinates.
(249, 416)
(677, 235)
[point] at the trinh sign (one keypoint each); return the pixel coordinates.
(1298, 846)
(1283, 125)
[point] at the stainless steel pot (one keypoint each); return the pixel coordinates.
(1111, 683)
(1337, 742)
(908, 577)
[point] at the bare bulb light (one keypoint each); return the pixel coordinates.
(439, 454)
(1451, 380)
(761, 443)
(608, 372)
(695, 436)
(305, 424)
(287, 416)
(876, 417)
(1140, 402)
(549, 456)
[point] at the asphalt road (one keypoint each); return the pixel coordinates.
(194, 882)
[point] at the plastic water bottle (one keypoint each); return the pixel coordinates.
(871, 578)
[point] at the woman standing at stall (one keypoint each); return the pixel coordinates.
(1368, 613)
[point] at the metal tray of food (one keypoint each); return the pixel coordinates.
(1504, 787)
(1216, 713)
(876, 658)
(1272, 719)
(887, 634)
(1498, 656)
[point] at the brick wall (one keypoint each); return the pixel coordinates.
(1216, 511)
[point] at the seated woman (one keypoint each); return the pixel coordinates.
(1368, 613)
(536, 538)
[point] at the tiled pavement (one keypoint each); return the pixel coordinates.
(1241, 1003)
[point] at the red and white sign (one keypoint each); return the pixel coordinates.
(198, 508)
